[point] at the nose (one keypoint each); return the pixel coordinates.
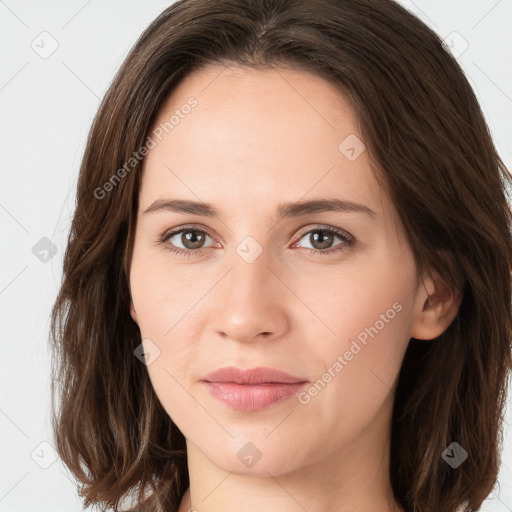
(251, 301)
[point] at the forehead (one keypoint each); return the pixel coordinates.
(260, 88)
(256, 134)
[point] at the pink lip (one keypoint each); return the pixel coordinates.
(252, 389)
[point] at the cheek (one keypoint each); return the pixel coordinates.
(166, 309)
(367, 299)
(165, 296)
(366, 320)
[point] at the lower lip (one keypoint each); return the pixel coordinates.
(252, 397)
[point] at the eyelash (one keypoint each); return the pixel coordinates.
(347, 240)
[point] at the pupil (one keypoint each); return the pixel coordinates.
(323, 240)
(192, 239)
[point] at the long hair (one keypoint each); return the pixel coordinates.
(432, 152)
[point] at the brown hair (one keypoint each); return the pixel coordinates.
(431, 148)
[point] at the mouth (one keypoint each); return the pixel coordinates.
(252, 389)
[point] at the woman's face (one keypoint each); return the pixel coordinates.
(247, 289)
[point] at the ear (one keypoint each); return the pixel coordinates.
(133, 313)
(437, 304)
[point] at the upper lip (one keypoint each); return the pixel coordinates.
(260, 375)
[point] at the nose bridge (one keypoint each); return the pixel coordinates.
(249, 298)
(250, 275)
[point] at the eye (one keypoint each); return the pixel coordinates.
(191, 239)
(322, 238)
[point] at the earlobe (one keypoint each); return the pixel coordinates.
(133, 313)
(436, 307)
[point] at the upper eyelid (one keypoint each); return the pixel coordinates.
(321, 227)
(176, 231)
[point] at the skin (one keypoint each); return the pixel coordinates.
(258, 138)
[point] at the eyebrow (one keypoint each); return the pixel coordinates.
(284, 210)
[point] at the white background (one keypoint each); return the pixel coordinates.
(47, 107)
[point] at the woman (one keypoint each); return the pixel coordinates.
(287, 283)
